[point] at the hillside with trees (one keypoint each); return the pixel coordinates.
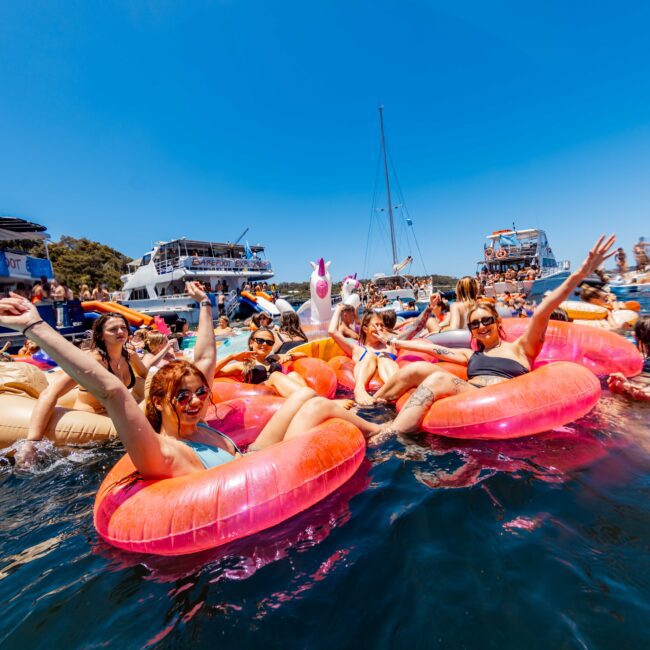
(78, 261)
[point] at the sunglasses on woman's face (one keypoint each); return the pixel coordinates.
(485, 321)
(184, 395)
(263, 341)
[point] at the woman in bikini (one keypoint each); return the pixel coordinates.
(492, 359)
(290, 334)
(171, 439)
(370, 354)
(259, 366)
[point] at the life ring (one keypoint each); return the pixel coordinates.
(541, 400)
(501, 253)
(206, 509)
(488, 253)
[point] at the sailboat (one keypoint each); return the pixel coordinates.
(403, 284)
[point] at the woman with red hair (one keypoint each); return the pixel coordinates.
(171, 439)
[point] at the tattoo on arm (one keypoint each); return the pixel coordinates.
(422, 397)
(443, 352)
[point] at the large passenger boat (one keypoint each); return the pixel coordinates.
(520, 249)
(155, 282)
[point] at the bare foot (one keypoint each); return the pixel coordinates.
(362, 398)
(347, 404)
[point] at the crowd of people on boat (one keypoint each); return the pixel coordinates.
(167, 436)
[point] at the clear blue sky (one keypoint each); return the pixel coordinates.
(128, 122)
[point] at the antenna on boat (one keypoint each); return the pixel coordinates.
(390, 204)
(241, 236)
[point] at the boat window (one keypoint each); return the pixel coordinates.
(146, 259)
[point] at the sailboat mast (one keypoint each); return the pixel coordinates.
(390, 203)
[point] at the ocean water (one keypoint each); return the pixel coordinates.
(539, 542)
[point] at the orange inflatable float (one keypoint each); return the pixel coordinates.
(134, 317)
(209, 508)
(540, 400)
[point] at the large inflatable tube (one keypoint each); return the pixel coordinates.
(20, 386)
(600, 350)
(541, 400)
(317, 374)
(65, 426)
(209, 508)
(243, 418)
(577, 309)
(135, 318)
(225, 388)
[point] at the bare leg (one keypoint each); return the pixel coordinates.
(386, 368)
(277, 426)
(406, 378)
(319, 409)
(363, 372)
(436, 386)
(285, 385)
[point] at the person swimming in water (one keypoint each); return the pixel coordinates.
(636, 388)
(491, 360)
(170, 438)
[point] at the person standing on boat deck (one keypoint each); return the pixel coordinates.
(491, 360)
(170, 438)
(621, 260)
(221, 304)
(641, 254)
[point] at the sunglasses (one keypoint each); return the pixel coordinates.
(485, 321)
(263, 341)
(184, 396)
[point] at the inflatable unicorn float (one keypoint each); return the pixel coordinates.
(316, 313)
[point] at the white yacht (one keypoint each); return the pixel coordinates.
(517, 249)
(155, 282)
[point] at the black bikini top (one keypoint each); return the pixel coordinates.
(259, 374)
(480, 364)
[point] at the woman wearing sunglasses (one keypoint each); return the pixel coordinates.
(170, 438)
(259, 366)
(491, 360)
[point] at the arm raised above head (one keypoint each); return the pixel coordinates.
(145, 447)
(205, 350)
(532, 339)
(333, 331)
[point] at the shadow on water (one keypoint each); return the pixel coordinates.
(543, 542)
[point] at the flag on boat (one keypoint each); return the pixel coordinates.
(403, 264)
(508, 240)
(247, 251)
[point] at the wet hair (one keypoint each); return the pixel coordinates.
(390, 319)
(642, 335)
(224, 318)
(99, 325)
(290, 324)
(560, 314)
(365, 321)
(164, 386)
(154, 341)
(467, 289)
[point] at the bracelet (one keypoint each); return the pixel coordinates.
(205, 303)
(36, 322)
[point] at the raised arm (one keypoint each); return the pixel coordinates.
(333, 331)
(205, 350)
(147, 449)
(455, 355)
(532, 339)
(411, 329)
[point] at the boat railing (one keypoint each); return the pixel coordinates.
(224, 264)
